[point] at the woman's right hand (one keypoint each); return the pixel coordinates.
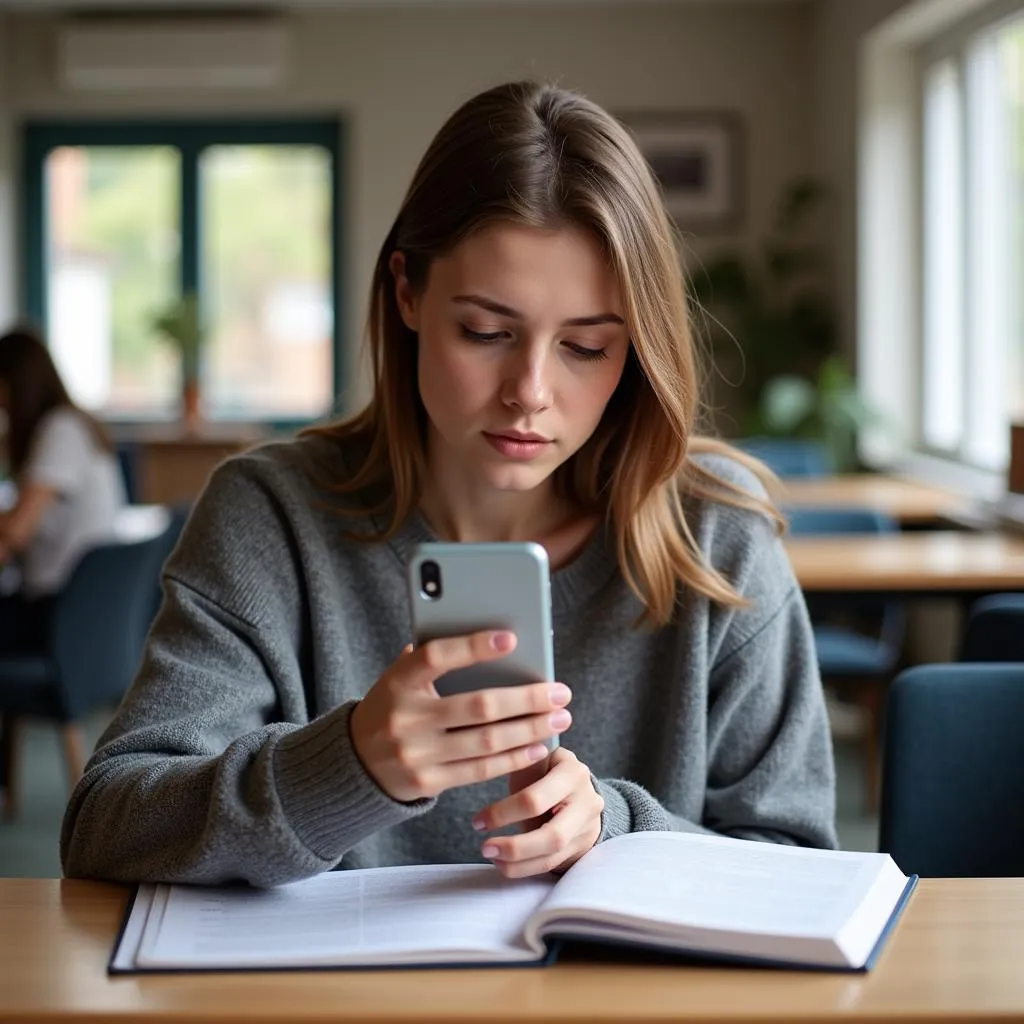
(416, 744)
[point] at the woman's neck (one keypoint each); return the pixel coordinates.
(467, 515)
(483, 515)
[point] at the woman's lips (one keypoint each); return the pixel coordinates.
(514, 447)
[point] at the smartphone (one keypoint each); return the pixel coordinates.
(457, 589)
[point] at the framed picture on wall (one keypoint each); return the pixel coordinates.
(698, 157)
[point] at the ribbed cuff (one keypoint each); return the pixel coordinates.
(617, 817)
(327, 795)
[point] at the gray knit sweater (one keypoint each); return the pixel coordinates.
(230, 757)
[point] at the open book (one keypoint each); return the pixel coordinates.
(706, 895)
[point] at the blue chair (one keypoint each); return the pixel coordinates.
(954, 771)
(858, 641)
(179, 517)
(788, 456)
(98, 627)
(128, 460)
(994, 630)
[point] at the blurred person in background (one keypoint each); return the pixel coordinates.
(67, 487)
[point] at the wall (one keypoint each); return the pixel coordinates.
(840, 26)
(395, 73)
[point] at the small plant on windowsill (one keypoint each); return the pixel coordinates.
(180, 324)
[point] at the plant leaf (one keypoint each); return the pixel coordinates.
(798, 200)
(787, 402)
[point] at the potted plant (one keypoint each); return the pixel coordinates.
(828, 408)
(181, 325)
(773, 333)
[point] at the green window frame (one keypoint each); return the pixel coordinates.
(190, 138)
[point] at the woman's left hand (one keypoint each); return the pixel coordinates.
(559, 811)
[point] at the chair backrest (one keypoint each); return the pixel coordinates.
(889, 615)
(128, 461)
(995, 629)
(788, 456)
(179, 514)
(100, 621)
(838, 519)
(953, 777)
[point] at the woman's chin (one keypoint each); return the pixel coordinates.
(517, 478)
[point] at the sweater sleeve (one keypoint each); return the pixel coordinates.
(211, 771)
(770, 767)
(770, 773)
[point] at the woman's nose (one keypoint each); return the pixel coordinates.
(527, 386)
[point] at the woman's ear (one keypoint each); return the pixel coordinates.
(408, 303)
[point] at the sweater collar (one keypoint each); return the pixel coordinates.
(571, 585)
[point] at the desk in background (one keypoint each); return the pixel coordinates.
(955, 955)
(172, 466)
(943, 563)
(908, 502)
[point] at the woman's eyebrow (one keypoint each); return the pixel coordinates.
(496, 307)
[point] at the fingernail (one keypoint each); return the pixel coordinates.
(560, 719)
(479, 824)
(503, 641)
(559, 693)
(536, 752)
(490, 850)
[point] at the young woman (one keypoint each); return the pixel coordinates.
(68, 484)
(534, 379)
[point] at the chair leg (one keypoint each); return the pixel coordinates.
(871, 698)
(74, 752)
(10, 734)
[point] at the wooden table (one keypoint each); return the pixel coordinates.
(933, 564)
(955, 956)
(908, 502)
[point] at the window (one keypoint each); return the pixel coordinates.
(124, 218)
(972, 245)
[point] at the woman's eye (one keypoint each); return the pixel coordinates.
(484, 337)
(582, 352)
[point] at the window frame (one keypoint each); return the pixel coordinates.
(952, 45)
(190, 137)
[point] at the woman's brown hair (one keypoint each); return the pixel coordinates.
(542, 156)
(34, 389)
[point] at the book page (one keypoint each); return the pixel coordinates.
(131, 936)
(696, 891)
(435, 914)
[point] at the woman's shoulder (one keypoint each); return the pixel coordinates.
(258, 511)
(723, 484)
(288, 486)
(61, 421)
(315, 461)
(730, 509)
(62, 444)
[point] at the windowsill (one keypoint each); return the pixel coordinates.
(986, 488)
(969, 481)
(215, 431)
(129, 429)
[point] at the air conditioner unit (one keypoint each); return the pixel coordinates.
(124, 53)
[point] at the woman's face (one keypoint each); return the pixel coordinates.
(522, 342)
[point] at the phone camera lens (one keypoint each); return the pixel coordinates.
(430, 580)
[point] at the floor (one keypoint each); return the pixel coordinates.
(29, 846)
